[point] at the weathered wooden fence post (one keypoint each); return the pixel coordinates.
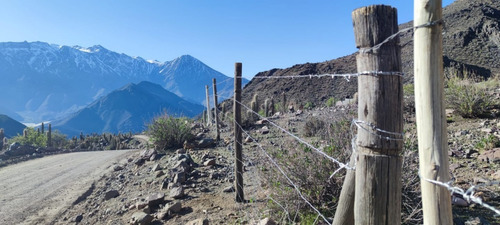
(209, 120)
(216, 115)
(344, 214)
(380, 117)
(49, 136)
(430, 112)
(238, 170)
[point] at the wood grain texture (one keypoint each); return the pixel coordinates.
(430, 112)
(378, 167)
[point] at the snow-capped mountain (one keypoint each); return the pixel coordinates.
(41, 81)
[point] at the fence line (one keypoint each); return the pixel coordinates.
(342, 165)
(286, 176)
(346, 76)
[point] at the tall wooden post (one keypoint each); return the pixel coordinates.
(430, 112)
(237, 134)
(216, 116)
(209, 120)
(380, 118)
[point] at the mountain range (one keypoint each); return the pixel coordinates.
(10, 126)
(128, 109)
(471, 47)
(47, 82)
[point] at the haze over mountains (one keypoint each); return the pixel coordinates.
(46, 81)
(128, 109)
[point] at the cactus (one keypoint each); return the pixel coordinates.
(272, 107)
(283, 102)
(49, 136)
(43, 128)
(25, 133)
(82, 137)
(266, 107)
(2, 138)
(4, 142)
(254, 104)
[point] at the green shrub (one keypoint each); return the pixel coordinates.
(409, 89)
(330, 102)
(468, 100)
(59, 140)
(309, 105)
(168, 132)
(32, 138)
(487, 143)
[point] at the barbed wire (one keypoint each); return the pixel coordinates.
(346, 76)
(342, 165)
(469, 194)
(284, 174)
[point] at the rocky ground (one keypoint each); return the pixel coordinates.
(196, 185)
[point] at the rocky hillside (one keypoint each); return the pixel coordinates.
(471, 43)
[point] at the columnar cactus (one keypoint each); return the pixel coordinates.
(43, 128)
(255, 103)
(272, 107)
(266, 107)
(49, 136)
(25, 133)
(2, 137)
(283, 102)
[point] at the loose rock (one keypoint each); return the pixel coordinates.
(177, 192)
(141, 218)
(111, 194)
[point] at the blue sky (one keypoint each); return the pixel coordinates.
(262, 34)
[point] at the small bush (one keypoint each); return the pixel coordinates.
(32, 138)
(409, 89)
(168, 132)
(468, 100)
(313, 126)
(487, 143)
(309, 105)
(330, 102)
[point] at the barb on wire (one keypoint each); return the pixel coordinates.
(286, 176)
(469, 194)
(342, 165)
(359, 124)
(393, 36)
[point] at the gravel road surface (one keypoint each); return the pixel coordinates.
(34, 192)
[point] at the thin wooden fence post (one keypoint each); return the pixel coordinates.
(49, 136)
(209, 120)
(238, 170)
(430, 112)
(216, 116)
(380, 117)
(344, 214)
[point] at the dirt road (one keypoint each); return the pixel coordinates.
(34, 192)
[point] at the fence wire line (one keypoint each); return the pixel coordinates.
(342, 165)
(267, 195)
(359, 124)
(468, 195)
(346, 76)
(393, 36)
(221, 82)
(284, 174)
